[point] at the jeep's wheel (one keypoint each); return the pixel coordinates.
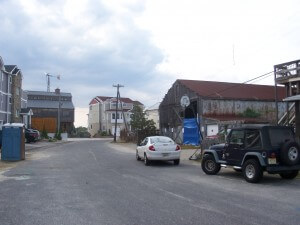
(289, 153)
(209, 165)
(252, 171)
(289, 175)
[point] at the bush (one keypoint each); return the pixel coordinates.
(44, 133)
(58, 135)
(103, 133)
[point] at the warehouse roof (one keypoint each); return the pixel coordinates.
(49, 104)
(45, 93)
(224, 90)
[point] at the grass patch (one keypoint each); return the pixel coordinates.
(189, 147)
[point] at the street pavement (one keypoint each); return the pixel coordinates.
(98, 182)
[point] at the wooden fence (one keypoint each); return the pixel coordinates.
(50, 124)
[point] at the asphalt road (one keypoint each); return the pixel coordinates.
(91, 182)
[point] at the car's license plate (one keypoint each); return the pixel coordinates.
(165, 154)
(272, 160)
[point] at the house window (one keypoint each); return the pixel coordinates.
(10, 79)
(1, 100)
(113, 116)
(9, 100)
(91, 107)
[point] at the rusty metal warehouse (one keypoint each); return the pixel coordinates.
(218, 105)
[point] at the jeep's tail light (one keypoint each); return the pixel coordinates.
(273, 155)
(177, 148)
(151, 148)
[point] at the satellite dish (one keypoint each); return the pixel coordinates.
(185, 101)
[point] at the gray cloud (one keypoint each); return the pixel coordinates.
(92, 52)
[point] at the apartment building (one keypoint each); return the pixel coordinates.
(102, 114)
(5, 94)
(16, 92)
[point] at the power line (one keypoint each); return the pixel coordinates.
(236, 85)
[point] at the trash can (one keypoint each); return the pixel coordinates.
(13, 145)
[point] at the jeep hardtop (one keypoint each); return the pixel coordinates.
(255, 149)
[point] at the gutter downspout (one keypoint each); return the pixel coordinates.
(8, 95)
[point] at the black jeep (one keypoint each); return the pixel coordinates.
(255, 149)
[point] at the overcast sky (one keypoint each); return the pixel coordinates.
(145, 44)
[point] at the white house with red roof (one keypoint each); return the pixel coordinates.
(102, 114)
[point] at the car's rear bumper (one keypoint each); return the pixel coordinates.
(278, 169)
(153, 155)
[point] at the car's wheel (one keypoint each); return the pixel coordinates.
(146, 160)
(176, 162)
(209, 165)
(137, 156)
(290, 153)
(252, 171)
(289, 175)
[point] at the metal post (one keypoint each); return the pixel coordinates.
(48, 82)
(58, 116)
(116, 120)
(276, 96)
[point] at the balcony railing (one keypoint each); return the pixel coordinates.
(118, 120)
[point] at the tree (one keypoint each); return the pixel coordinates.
(139, 120)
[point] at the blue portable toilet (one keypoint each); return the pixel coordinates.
(13, 144)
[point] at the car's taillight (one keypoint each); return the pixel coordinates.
(151, 148)
(177, 148)
(273, 155)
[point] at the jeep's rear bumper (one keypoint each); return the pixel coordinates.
(278, 169)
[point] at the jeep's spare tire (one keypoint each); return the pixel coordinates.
(290, 153)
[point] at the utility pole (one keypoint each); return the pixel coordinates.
(118, 86)
(57, 91)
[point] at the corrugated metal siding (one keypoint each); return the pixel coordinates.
(234, 107)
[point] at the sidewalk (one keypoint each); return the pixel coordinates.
(43, 144)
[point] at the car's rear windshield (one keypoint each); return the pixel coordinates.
(279, 136)
(163, 140)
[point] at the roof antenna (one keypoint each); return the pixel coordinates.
(48, 79)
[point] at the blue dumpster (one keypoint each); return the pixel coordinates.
(13, 145)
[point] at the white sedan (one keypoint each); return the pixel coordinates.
(158, 148)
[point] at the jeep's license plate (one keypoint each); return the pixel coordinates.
(165, 154)
(272, 160)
